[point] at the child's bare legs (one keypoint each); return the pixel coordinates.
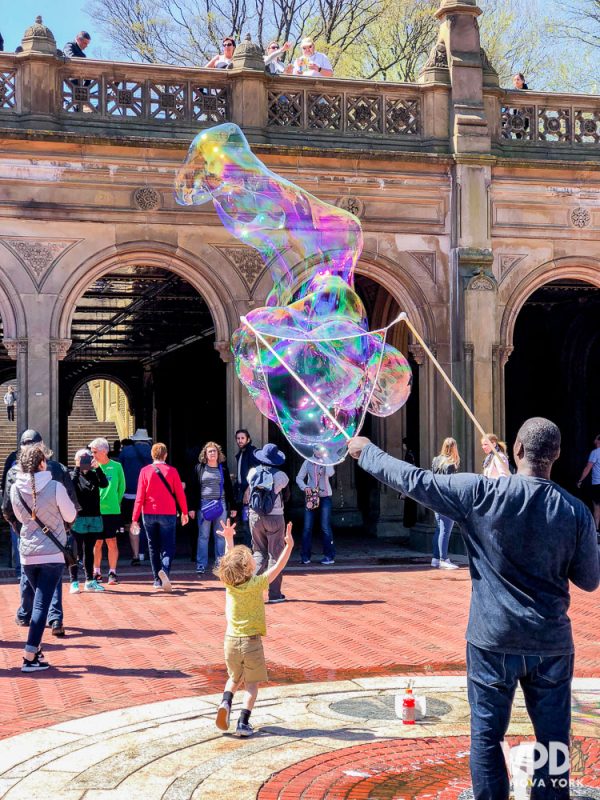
(250, 696)
(224, 711)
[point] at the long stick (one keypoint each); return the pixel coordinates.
(451, 386)
(297, 377)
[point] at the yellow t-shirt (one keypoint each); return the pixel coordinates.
(245, 607)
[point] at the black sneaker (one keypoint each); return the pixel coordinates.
(244, 729)
(280, 599)
(135, 562)
(24, 623)
(35, 665)
(57, 628)
(223, 714)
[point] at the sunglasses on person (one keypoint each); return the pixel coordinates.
(228, 44)
(274, 47)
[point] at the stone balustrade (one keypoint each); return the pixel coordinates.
(105, 98)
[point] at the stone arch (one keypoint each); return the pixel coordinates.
(103, 376)
(14, 321)
(577, 268)
(192, 269)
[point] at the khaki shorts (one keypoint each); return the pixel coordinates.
(245, 659)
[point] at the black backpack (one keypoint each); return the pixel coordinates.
(262, 493)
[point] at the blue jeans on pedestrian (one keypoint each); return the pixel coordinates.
(205, 527)
(160, 530)
(27, 591)
(491, 681)
(43, 580)
(441, 537)
(15, 556)
(324, 512)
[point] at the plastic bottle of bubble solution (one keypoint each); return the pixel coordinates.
(408, 707)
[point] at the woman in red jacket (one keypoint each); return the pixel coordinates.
(159, 495)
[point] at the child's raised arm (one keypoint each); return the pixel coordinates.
(284, 557)
(227, 531)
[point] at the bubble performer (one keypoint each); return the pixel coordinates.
(307, 358)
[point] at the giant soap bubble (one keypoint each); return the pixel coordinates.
(307, 358)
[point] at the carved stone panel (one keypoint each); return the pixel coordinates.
(146, 198)
(481, 282)
(427, 260)
(507, 263)
(581, 218)
(352, 204)
(38, 256)
(247, 262)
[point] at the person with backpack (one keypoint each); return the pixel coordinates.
(159, 495)
(211, 494)
(10, 400)
(266, 487)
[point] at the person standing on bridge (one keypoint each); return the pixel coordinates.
(526, 538)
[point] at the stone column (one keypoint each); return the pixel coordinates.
(249, 101)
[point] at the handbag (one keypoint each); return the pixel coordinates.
(312, 498)
(212, 509)
(69, 555)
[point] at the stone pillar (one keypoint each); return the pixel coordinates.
(249, 101)
(37, 71)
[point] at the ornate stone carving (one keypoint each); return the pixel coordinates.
(503, 353)
(581, 218)
(438, 56)
(481, 282)
(507, 263)
(60, 347)
(15, 347)
(352, 204)
(38, 38)
(38, 256)
(248, 56)
(427, 260)
(247, 262)
(146, 198)
(224, 350)
(417, 351)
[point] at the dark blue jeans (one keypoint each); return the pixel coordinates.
(160, 530)
(324, 510)
(27, 591)
(15, 556)
(43, 579)
(441, 537)
(491, 681)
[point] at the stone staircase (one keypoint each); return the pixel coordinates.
(84, 424)
(8, 430)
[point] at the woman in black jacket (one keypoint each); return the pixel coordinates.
(211, 496)
(88, 479)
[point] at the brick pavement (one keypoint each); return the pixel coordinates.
(130, 645)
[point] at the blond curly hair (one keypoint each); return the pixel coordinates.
(236, 566)
(221, 457)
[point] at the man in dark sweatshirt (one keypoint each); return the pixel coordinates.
(526, 538)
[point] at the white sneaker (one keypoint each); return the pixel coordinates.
(435, 562)
(445, 563)
(164, 579)
(74, 587)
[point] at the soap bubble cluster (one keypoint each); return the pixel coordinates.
(307, 358)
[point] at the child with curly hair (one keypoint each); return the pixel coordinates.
(246, 624)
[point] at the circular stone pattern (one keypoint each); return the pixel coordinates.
(435, 768)
(581, 217)
(146, 198)
(384, 707)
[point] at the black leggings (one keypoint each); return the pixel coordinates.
(83, 544)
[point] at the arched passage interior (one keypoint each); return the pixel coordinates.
(553, 370)
(8, 377)
(147, 329)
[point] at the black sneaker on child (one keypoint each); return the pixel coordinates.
(244, 729)
(35, 665)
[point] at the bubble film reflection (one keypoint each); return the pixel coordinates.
(314, 329)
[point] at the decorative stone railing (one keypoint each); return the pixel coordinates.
(8, 85)
(561, 118)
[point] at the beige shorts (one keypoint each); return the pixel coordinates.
(245, 659)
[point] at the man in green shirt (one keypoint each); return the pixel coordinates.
(110, 508)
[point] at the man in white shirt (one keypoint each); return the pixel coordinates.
(312, 64)
(593, 466)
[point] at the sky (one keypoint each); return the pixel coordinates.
(65, 18)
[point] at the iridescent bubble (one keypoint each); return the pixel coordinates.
(307, 358)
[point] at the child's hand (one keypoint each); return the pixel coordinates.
(227, 530)
(289, 541)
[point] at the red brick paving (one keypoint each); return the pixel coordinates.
(395, 768)
(130, 645)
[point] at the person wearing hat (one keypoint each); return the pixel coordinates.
(267, 525)
(311, 64)
(134, 456)
(61, 474)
